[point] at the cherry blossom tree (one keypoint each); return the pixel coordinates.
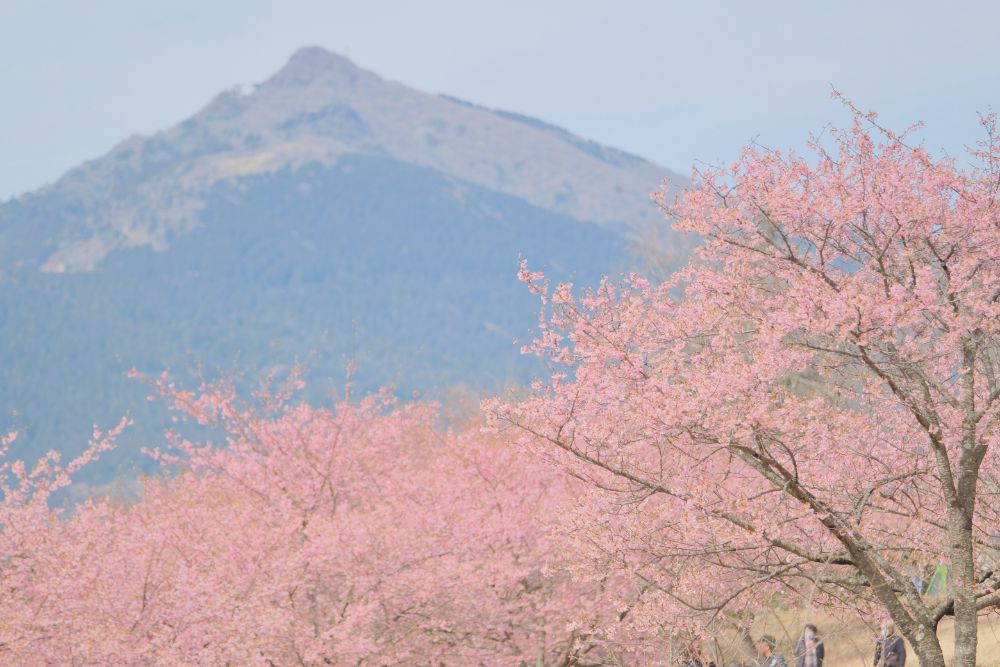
(359, 534)
(807, 413)
(29, 529)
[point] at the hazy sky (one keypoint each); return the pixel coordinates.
(672, 81)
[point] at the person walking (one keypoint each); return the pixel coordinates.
(809, 650)
(766, 654)
(890, 649)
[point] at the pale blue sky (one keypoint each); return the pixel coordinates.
(671, 81)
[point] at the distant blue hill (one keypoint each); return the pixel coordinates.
(312, 220)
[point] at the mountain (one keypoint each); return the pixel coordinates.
(323, 214)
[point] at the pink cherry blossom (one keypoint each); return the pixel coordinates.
(809, 411)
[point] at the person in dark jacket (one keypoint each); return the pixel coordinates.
(766, 655)
(809, 649)
(890, 649)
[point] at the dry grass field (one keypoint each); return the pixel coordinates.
(851, 644)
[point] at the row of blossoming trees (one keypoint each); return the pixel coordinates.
(806, 415)
(353, 535)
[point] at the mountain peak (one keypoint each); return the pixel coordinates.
(314, 63)
(317, 110)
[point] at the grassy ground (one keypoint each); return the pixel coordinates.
(852, 644)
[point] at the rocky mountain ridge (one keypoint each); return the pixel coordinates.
(319, 108)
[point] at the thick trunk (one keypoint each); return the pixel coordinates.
(963, 578)
(927, 647)
(961, 510)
